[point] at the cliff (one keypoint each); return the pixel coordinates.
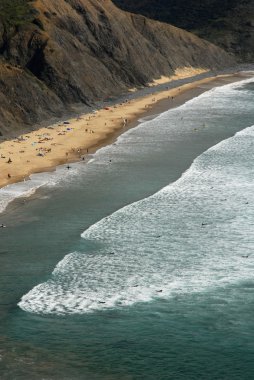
(70, 52)
(227, 23)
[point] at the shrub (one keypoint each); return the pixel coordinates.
(14, 13)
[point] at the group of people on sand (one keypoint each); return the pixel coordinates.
(42, 138)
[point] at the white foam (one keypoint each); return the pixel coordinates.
(11, 192)
(60, 176)
(189, 237)
(128, 141)
(161, 248)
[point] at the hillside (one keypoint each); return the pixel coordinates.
(56, 54)
(228, 23)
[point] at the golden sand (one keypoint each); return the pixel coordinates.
(181, 73)
(48, 147)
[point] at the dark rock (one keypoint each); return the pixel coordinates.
(78, 51)
(227, 23)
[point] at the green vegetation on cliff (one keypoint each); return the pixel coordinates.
(14, 13)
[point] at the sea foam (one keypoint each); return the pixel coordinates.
(193, 235)
(61, 176)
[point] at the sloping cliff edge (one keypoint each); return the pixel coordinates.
(80, 51)
(228, 23)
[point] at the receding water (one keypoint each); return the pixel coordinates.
(119, 269)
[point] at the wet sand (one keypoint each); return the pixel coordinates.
(69, 141)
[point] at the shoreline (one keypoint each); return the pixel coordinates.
(72, 140)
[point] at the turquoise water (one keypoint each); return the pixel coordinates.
(119, 269)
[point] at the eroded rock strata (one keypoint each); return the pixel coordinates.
(79, 51)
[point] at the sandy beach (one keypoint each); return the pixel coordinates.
(112, 261)
(71, 140)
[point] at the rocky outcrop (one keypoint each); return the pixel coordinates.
(228, 23)
(80, 51)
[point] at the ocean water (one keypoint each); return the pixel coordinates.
(139, 263)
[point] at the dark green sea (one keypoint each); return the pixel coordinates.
(139, 263)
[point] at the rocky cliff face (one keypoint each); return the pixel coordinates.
(227, 23)
(79, 51)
